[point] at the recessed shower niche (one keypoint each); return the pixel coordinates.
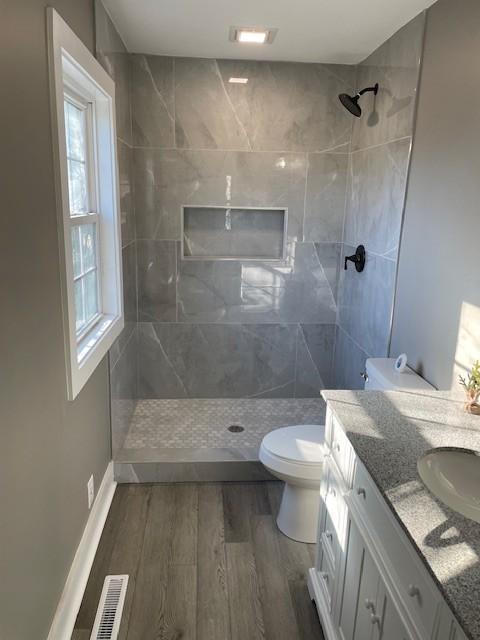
(233, 233)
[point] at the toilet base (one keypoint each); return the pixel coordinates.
(298, 515)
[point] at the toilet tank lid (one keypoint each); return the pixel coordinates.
(300, 443)
(382, 370)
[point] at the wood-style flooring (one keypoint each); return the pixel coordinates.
(206, 562)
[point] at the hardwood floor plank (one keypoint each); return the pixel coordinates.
(237, 528)
(127, 551)
(308, 623)
(81, 634)
(297, 557)
(243, 593)
(184, 548)
(146, 616)
(213, 617)
(262, 503)
(179, 615)
(274, 492)
(240, 501)
(111, 531)
(278, 613)
(186, 581)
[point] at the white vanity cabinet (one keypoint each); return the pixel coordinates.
(366, 608)
(368, 581)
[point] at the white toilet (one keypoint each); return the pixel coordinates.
(296, 454)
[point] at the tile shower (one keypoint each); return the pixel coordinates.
(203, 332)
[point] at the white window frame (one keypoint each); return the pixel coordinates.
(74, 70)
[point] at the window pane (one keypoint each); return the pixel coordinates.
(77, 187)
(75, 124)
(91, 296)
(88, 244)
(77, 263)
(79, 308)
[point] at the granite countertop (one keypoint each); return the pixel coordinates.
(390, 431)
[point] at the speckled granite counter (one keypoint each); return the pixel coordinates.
(390, 431)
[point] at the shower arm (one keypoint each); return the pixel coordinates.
(374, 89)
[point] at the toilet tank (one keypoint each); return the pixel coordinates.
(381, 375)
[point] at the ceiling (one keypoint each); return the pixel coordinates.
(334, 31)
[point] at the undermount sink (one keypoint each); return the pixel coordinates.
(453, 476)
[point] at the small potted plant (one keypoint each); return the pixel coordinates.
(471, 384)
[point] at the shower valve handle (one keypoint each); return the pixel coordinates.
(358, 259)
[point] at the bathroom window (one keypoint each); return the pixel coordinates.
(89, 228)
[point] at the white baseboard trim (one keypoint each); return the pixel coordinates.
(71, 598)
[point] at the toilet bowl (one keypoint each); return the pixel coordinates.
(295, 455)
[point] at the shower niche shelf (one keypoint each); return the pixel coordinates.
(233, 233)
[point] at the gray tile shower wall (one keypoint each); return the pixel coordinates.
(377, 178)
(166, 179)
(239, 327)
(233, 360)
(293, 290)
(113, 56)
(123, 387)
(283, 107)
(187, 136)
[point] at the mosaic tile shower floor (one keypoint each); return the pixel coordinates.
(203, 424)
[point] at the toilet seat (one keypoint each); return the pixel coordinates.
(295, 452)
(300, 444)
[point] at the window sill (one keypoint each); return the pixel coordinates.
(91, 350)
(90, 341)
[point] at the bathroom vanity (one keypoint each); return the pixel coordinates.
(392, 561)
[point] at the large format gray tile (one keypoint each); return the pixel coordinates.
(208, 361)
(165, 180)
(287, 106)
(153, 102)
(123, 390)
(395, 66)
(283, 107)
(349, 362)
(376, 197)
(365, 303)
(325, 197)
(125, 176)
(205, 117)
(314, 362)
(129, 268)
(214, 471)
(157, 280)
(329, 255)
(113, 56)
(118, 346)
(295, 290)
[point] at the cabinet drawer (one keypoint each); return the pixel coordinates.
(340, 448)
(334, 523)
(415, 587)
(326, 578)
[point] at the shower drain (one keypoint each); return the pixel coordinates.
(236, 428)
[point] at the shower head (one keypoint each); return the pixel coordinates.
(351, 102)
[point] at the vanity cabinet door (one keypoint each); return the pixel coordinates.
(447, 626)
(359, 589)
(351, 582)
(367, 606)
(387, 622)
